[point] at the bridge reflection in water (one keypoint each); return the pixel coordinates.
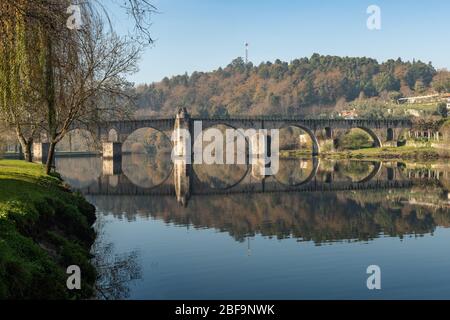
(139, 175)
(307, 199)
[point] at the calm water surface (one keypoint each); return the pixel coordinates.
(308, 233)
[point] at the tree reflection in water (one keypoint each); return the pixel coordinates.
(115, 272)
(321, 217)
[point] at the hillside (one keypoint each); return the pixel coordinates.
(317, 85)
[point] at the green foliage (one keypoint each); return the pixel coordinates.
(386, 82)
(420, 71)
(441, 82)
(282, 88)
(442, 110)
(354, 140)
(395, 95)
(44, 228)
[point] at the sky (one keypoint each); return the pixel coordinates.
(203, 35)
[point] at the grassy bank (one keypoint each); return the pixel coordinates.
(44, 228)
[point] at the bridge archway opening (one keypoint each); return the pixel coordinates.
(298, 138)
(146, 158)
(148, 141)
(113, 136)
(402, 137)
(328, 133)
(390, 134)
(358, 138)
(229, 162)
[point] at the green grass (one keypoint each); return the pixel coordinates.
(44, 228)
(430, 107)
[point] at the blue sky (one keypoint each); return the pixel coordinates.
(202, 35)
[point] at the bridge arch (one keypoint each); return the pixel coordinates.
(376, 139)
(240, 134)
(310, 133)
(113, 135)
(141, 181)
(309, 178)
(376, 170)
(139, 135)
(223, 176)
(199, 182)
(124, 136)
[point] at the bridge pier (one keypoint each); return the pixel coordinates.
(40, 152)
(112, 150)
(264, 163)
(182, 156)
(181, 137)
(182, 181)
(112, 158)
(112, 167)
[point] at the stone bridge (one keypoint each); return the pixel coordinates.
(383, 132)
(114, 133)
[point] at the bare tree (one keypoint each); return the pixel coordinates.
(89, 83)
(80, 74)
(87, 69)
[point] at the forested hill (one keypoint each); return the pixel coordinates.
(307, 85)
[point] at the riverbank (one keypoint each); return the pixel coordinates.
(385, 153)
(44, 228)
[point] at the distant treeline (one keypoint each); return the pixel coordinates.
(289, 88)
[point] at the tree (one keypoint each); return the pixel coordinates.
(419, 87)
(442, 109)
(386, 82)
(237, 65)
(420, 71)
(86, 80)
(394, 96)
(441, 81)
(21, 73)
(317, 81)
(80, 74)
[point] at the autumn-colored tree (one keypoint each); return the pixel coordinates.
(441, 81)
(284, 88)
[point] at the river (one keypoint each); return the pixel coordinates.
(310, 232)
